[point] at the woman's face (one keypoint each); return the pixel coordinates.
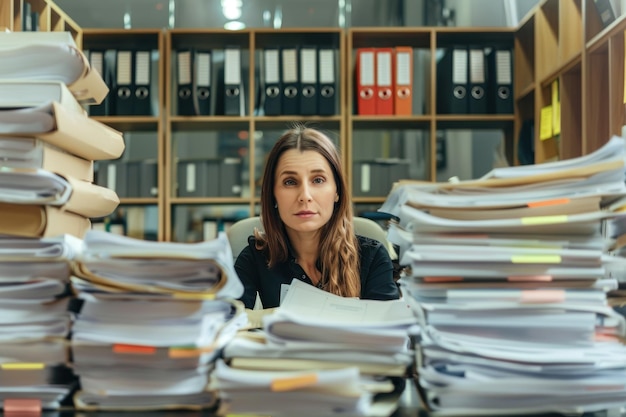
(305, 190)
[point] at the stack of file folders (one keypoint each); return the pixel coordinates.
(153, 320)
(318, 354)
(508, 276)
(47, 148)
(47, 142)
(35, 321)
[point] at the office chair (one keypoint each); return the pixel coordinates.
(239, 232)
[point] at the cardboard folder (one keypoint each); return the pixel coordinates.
(90, 200)
(35, 153)
(90, 87)
(40, 221)
(84, 137)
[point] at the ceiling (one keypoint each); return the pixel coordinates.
(208, 13)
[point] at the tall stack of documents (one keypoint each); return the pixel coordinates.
(47, 142)
(47, 148)
(508, 278)
(35, 321)
(318, 350)
(154, 318)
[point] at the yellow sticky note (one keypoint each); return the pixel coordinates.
(534, 220)
(193, 296)
(556, 108)
(625, 67)
(536, 259)
(546, 130)
(22, 366)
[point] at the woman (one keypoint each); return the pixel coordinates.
(307, 216)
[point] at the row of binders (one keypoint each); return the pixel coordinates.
(129, 76)
(293, 81)
(299, 81)
(128, 178)
(384, 79)
(475, 80)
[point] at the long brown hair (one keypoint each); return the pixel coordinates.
(338, 247)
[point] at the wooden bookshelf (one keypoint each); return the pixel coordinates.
(144, 134)
(246, 137)
(564, 42)
(559, 43)
(45, 15)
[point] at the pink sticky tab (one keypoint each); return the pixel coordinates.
(524, 278)
(542, 296)
(22, 407)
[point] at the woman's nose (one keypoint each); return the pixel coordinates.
(305, 194)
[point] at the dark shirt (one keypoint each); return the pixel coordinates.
(251, 265)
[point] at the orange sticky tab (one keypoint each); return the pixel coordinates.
(555, 202)
(183, 353)
(542, 296)
(442, 279)
(134, 349)
(524, 278)
(293, 383)
(22, 407)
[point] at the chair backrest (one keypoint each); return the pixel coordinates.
(239, 232)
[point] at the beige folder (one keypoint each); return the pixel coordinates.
(90, 200)
(89, 88)
(84, 137)
(40, 221)
(64, 163)
(29, 153)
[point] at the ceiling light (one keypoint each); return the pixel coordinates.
(231, 9)
(234, 25)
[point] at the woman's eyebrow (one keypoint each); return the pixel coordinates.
(313, 171)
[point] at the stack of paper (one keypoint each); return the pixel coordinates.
(314, 332)
(508, 277)
(34, 319)
(47, 142)
(154, 318)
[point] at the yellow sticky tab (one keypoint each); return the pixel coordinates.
(22, 366)
(624, 67)
(293, 383)
(545, 131)
(536, 259)
(556, 108)
(192, 296)
(533, 220)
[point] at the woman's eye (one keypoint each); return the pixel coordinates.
(319, 180)
(289, 182)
